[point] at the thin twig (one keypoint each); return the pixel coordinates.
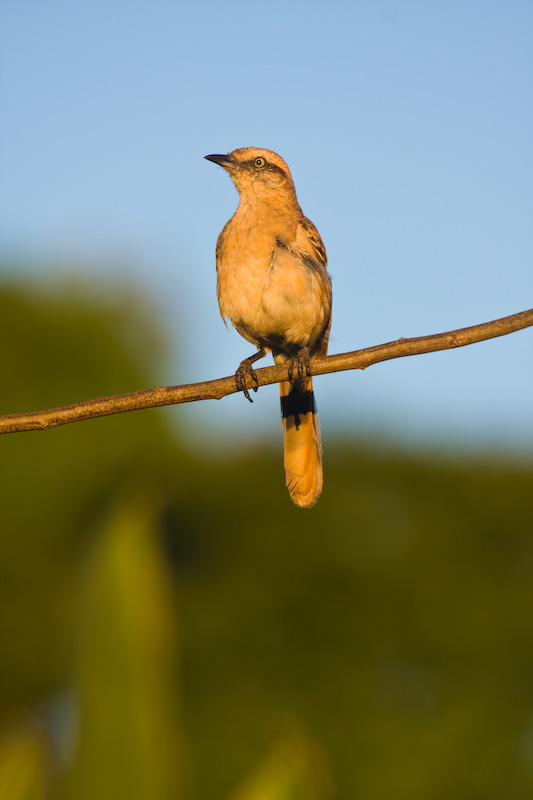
(214, 390)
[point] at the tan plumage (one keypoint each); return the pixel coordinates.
(272, 284)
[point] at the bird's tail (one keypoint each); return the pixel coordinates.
(303, 448)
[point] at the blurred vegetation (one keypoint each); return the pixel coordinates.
(171, 627)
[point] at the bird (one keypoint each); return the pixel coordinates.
(274, 288)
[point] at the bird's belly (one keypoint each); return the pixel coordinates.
(278, 308)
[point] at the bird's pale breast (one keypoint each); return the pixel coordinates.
(268, 293)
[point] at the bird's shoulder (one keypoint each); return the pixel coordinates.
(222, 241)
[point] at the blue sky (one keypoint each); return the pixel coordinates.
(408, 127)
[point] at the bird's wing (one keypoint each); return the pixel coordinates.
(310, 241)
(313, 252)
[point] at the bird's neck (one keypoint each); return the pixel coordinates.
(281, 214)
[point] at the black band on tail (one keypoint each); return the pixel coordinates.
(297, 403)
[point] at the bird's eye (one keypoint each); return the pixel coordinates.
(259, 162)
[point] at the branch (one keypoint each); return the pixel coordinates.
(214, 390)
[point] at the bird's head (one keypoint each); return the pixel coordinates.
(258, 173)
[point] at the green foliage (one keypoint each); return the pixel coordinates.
(384, 639)
(129, 743)
(393, 621)
(294, 769)
(24, 760)
(59, 349)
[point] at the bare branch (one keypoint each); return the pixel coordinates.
(214, 390)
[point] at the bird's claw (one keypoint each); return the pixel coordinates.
(245, 368)
(301, 364)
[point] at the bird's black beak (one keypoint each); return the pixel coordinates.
(222, 160)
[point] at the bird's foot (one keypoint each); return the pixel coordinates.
(300, 365)
(245, 368)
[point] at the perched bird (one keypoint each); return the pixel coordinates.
(273, 286)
